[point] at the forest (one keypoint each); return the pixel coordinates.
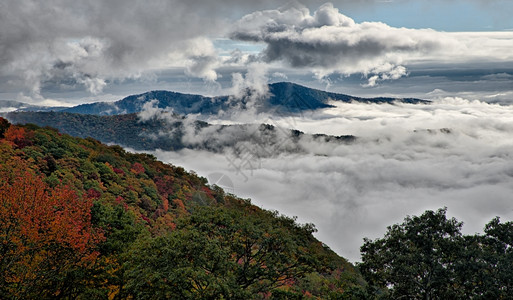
(82, 220)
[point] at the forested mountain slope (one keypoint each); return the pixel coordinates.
(79, 219)
(167, 132)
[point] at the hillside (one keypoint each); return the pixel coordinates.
(168, 133)
(284, 98)
(79, 219)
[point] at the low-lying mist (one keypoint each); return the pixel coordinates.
(406, 158)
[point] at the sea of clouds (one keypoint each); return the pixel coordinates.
(406, 159)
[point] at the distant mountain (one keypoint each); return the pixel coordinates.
(173, 132)
(284, 97)
(119, 129)
(9, 105)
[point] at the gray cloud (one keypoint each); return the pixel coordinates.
(67, 46)
(329, 41)
(88, 43)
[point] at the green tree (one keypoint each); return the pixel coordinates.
(220, 253)
(416, 259)
(497, 254)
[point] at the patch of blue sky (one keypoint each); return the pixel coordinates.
(454, 16)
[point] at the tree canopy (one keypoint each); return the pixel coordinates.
(427, 257)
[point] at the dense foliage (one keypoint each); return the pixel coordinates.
(79, 219)
(427, 257)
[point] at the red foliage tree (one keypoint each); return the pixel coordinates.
(137, 168)
(18, 136)
(118, 171)
(44, 233)
(93, 194)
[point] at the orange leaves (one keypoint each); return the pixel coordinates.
(165, 204)
(40, 216)
(41, 229)
(179, 205)
(18, 136)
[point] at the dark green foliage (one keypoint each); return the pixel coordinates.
(427, 257)
(219, 253)
(498, 255)
(119, 226)
(4, 124)
(414, 258)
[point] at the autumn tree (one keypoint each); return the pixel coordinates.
(46, 235)
(82, 220)
(18, 136)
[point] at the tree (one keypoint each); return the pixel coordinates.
(220, 253)
(18, 136)
(415, 259)
(46, 237)
(4, 125)
(497, 245)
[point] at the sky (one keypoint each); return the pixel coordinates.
(63, 52)
(455, 152)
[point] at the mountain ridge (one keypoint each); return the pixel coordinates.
(283, 98)
(167, 133)
(12, 105)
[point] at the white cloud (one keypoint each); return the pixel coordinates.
(202, 59)
(248, 90)
(408, 158)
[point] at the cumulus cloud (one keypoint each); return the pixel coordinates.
(328, 41)
(202, 59)
(406, 159)
(253, 84)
